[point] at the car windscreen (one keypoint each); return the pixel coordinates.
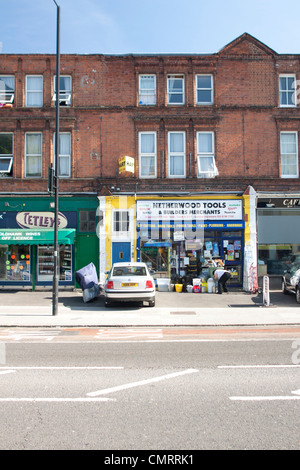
(129, 271)
(293, 268)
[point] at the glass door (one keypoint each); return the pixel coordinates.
(232, 254)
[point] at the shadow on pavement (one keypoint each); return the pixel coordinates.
(73, 299)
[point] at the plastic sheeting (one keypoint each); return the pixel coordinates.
(87, 278)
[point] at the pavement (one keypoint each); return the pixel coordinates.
(22, 308)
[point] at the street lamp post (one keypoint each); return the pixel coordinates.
(56, 170)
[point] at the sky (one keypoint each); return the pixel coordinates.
(146, 26)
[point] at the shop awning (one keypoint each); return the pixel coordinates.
(36, 237)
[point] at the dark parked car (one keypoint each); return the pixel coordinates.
(291, 281)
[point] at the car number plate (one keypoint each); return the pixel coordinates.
(129, 284)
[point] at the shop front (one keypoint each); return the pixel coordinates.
(189, 238)
(278, 225)
(27, 239)
(26, 254)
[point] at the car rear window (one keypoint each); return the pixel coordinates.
(130, 271)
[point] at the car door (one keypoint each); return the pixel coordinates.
(292, 277)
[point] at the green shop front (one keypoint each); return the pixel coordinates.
(27, 241)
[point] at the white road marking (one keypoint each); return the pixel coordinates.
(6, 372)
(53, 400)
(64, 368)
(31, 335)
(269, 366)
(266, 398)
(140, 383)
(296, 393)
(126, 333)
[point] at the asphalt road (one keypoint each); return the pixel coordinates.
(190, 392)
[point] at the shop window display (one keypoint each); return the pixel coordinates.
(156, 258)
(278, 257)
(15, 263)
(46, 263)
(182, 261)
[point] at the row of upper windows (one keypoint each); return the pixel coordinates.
(205, 149)
(176, 89)
(34, 90)
(147, 90)
(33, 154)
(147, 154)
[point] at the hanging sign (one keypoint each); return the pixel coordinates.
(126, 164)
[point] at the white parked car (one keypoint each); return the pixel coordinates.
(129, 282)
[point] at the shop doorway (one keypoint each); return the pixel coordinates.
(232, 254)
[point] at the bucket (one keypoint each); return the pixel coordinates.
(196, 288)
(210, 285)
(189, 288)
(196, 282)
(171, 286)
(178, 287)
(204, 287)
(163, 284)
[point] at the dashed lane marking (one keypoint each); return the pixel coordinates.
(141, 383)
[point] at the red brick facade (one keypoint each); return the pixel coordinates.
(105, 118)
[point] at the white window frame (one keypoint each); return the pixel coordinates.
(171, 93)
(147, 96)
(6, 97)
(37, 91)
(211, 155)
(287, 91)
(176, 154)
(296, 175)
(125, 218)
(33, 155)
(61, 155)
(64, 95)
(210, 89)
(147, 155)
(9, 157)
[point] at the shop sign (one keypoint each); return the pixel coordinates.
(32, 237)
(279, 203)
(126, 164)
(291, 202)
(40, 220)
(228, 209)
(178, 236)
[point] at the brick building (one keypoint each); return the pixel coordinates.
(214, 141)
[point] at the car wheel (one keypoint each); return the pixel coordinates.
(283, 288)
(152, 303)
(298, 294)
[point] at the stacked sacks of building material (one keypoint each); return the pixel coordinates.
(87, 278)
